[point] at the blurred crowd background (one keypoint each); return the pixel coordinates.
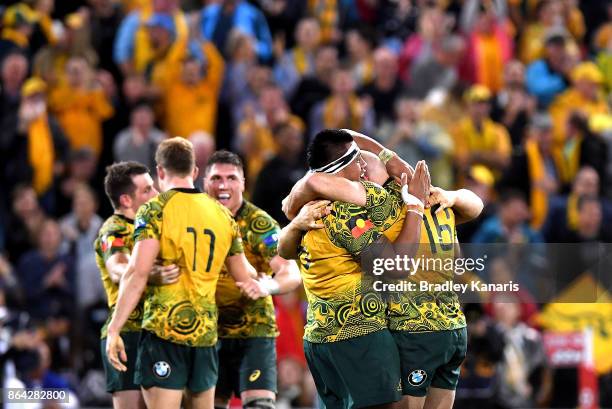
(510, 98)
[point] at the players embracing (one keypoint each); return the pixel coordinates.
(428, 328)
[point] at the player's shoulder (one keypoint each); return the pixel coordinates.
(116, 225)
(257, 219)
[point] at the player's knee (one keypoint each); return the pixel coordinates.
(259, 403)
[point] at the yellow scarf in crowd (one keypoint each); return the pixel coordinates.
(300, 60)
(329, 114)
(537, 173)
(15, 36)
(41, 153)
(572, 212)
(326, 12)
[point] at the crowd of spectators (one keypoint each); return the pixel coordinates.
(510, 98)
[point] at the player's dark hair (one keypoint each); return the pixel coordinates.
(175, 155)
(118, 180)
(226, 157)
(327, 146)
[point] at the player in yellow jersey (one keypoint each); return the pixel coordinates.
(429, 327)
(247, 328)
(128, 185)
(350, 352)
(179, 329)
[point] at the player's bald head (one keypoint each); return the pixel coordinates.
(375, 171)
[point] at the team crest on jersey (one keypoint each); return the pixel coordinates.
(162, 369)
(417, 377)
(140, 223)
(254, 375)
(270, 239)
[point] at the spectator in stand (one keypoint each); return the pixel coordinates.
(17, 28)
(254, 137)
(481, 181)
(551, 15)
(106, 16)
(512, 105)
(603, 49)
(489, 41)
(81, 106)
(343, 108)
(218, 20)
(414, 139)
(439, 71)
(24, 223)
(280, 173)
(563, 216)
(38, 146)
(510, 224)
(74, 40)
(313, 89)
(386, 86)
(537, 169)
(80, 229)
(524, 377)
(549, 76)
(298, 62)
(332, 17)
(360, 44)
(585, 95)
(47, 275)
(433, 26)
(139, 141)
(189, 102)
(136, 47)
(14, 73)
(478, 139)
(80, 170)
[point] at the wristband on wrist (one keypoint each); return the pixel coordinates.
(410, 199)
(386, 155)
(271, 286)
(415, 212)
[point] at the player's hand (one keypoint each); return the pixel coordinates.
(252, 289)
(163, 275)
(421, 182)
(442, 197)
(310, 213)
(115, 351)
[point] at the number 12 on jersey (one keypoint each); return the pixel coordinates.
(211, 247)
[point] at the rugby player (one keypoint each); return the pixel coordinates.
(128, 185)
(428, 327)
(247, 329)
(350, 352)
(183, 226)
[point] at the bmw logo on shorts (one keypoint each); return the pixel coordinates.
(417, 377)
(162, 369)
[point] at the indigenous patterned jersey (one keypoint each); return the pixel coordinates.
(416, 311)
(115, 236)
(239, 316)
(196, 233)
(341, 304)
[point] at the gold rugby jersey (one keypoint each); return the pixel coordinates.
(239, 316)
(196, 233)
(115, 236)
(341, 302)
(416, 311)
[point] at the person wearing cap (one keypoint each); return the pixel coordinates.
(547, 77)
(134, 48)
(81, 106)
(478, 139)
(38, 147)
(585, 96)
(536, 169)
(18, 25)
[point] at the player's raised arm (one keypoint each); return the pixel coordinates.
(465, 203)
